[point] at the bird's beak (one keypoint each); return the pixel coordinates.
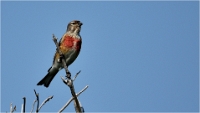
(80, 24)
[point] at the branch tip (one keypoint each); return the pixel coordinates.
(76, 75)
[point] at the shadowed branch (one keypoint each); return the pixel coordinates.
(37, 98)
(24, 104)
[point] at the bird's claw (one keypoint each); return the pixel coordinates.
(68, 75)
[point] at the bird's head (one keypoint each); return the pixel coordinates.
(74, 26)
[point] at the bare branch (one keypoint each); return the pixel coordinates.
(82, 109)
(72, 98)
(33, 105)
(69, 101)
(82, 90)
(14, 109)
(10, 107)
(75, 98)
(24, 105)
(37, 98)
(76, 75)
(69, 82)
(22, 108)
(45, 102)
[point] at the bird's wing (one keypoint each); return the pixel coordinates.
(62, 48)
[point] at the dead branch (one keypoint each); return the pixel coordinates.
(50, 97)
(24, 104)
(37, 98)
(72, 98)
(33, 105)
(12, 109)
(76, 76)
(82, 109)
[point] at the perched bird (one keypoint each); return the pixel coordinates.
(70, 45)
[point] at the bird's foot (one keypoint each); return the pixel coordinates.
(68, 75)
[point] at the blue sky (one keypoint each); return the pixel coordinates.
(135, 56)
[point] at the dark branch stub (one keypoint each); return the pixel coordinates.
(24, 105)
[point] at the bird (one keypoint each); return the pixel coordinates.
(70, 46)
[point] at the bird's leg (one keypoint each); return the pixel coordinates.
(68, 75)
(61, 57)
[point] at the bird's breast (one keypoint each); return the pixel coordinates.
(71, 42)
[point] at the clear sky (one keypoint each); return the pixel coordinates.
(135, 56)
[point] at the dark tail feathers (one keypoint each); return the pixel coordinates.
(49, 77)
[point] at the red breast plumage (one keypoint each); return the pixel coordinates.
(70, 45)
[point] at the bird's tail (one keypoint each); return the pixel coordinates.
(49, 77)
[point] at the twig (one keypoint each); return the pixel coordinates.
(10, 107)
(22, 108)
(37, 98)
(24, 104)
(33, 105)
(76, 76)
(14, 109)
(71, 86)
(45, 102)
(72, 98)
